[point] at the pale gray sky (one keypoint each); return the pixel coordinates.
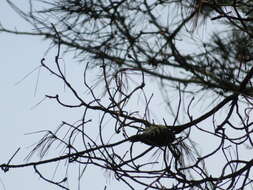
(18, 111)
(19, 56)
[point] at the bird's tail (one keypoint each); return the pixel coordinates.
(136, 138)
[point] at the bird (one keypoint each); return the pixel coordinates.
(155, 135)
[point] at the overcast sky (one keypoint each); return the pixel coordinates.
(18, 111)
(19, 56)
(21, 91)
(19, 96)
